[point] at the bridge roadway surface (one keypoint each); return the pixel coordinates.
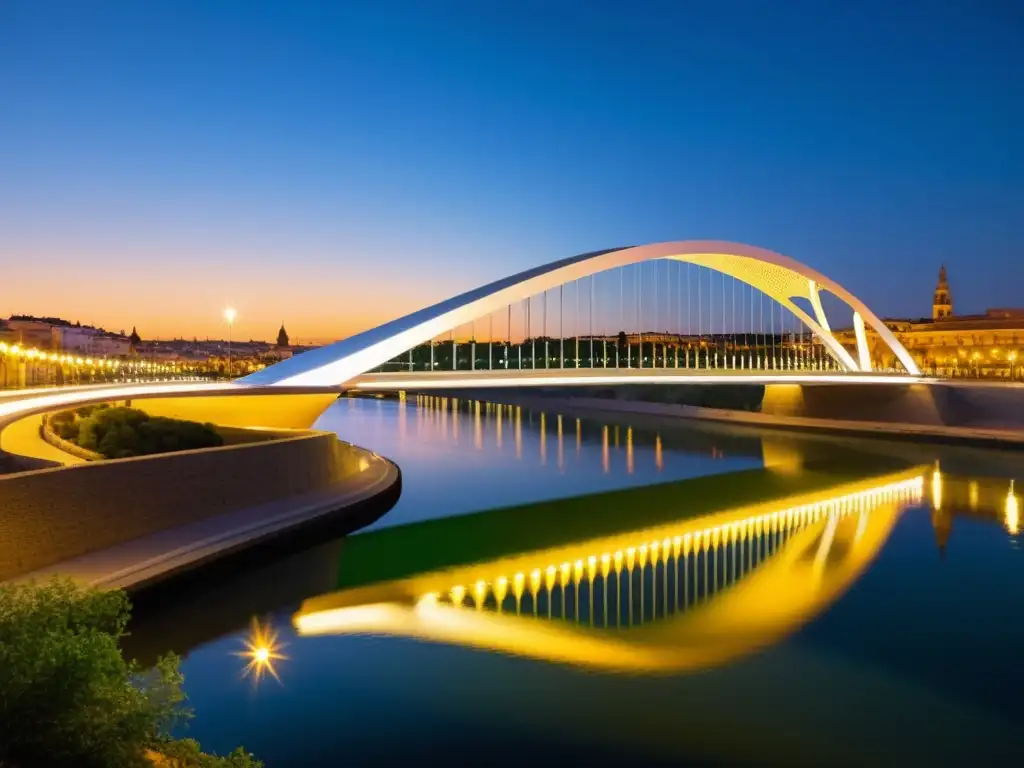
(554, 377)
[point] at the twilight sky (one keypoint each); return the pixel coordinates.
(336, 164)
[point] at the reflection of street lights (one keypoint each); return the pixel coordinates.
(229, 315)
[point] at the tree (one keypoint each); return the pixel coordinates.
(623, 342)
(67, 695)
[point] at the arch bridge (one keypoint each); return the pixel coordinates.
(691, 311)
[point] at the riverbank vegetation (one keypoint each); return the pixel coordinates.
(120, 432)
(68, 697)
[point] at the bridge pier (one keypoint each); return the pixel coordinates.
(913, 403)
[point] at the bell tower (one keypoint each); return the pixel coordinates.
(942, 304)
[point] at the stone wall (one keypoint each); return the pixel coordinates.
(52, 515)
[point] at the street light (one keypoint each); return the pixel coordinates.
(229, 315)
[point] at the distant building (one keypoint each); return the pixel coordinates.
(942, 303)
(282, 349)
(990, 345)
(33, 332)
(58, 335)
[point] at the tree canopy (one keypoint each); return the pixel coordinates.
(69, 698)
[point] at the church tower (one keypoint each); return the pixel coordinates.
(282, 337)
(133, 341)
(942, 304)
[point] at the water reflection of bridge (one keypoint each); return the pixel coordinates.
(692, 593)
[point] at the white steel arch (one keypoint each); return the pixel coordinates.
(779, 277)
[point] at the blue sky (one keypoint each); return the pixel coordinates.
(337, 164)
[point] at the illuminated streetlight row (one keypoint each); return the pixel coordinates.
(29, 353)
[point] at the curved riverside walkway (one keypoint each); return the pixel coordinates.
(60, 515)
(147, 560)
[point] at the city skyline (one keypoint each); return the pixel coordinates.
(298, 164)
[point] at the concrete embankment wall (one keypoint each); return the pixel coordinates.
(51, 515)
(955, 413)
(917, 404)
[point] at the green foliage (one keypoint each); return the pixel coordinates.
(111, 431)
(65, 426)
(120, 432)
(67, 695)
(88, 410)
(186, 753)
(159, 435)
(64, 417)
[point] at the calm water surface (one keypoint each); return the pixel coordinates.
(915, 658)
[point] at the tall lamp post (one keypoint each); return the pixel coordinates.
(229, 315)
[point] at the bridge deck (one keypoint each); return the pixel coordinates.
(553, 377)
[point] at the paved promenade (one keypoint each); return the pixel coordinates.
(149, 559)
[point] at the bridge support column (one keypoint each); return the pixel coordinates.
(863, 353)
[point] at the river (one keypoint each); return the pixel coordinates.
(910, 653)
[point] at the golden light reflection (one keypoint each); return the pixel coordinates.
(1011, 513)
(543, 440)
(937, 489)
(561, 450)
(776, 565)
(519, 432)
(262, 649)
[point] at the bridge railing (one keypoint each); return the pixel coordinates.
(663, 351)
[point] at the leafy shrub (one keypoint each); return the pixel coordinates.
(120, 432)
(64, 417)
(88, 410)
(67, 695)
(186, 753)
(65, 426)
(160, 435)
